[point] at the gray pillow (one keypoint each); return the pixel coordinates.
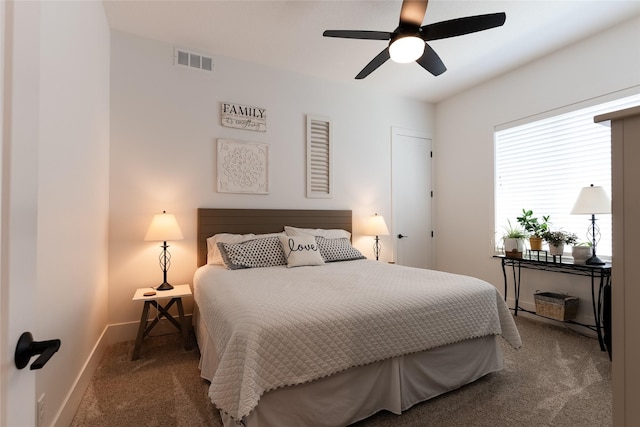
(337, 249)
(265, 252)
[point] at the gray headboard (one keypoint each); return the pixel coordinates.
(242, 221)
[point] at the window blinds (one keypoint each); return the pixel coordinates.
(542, 166)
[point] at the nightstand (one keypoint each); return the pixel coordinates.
(175, 297)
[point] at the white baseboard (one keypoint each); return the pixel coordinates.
(128, 331)
(70, 406)
(112, 334)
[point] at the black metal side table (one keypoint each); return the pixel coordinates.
(600, 279)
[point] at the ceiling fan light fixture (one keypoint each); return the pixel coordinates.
(408, 42)
(406, 49)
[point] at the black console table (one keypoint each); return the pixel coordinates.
(600, 279)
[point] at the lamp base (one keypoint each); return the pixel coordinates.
(166, 287)
(376, 248)
(594, 260)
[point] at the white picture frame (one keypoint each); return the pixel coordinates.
(242, 167)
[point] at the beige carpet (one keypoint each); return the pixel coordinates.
(558, 378)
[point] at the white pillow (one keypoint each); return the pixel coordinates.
(301, 250)
(326, 233)
(213, 253)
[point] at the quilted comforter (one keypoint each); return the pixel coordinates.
(279, 326)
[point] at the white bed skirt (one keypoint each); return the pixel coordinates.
(357, 393)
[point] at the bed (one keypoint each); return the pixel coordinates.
(330, 341)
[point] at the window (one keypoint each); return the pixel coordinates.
(542, 166)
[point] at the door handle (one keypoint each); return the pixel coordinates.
(400, 236)
(27, 348)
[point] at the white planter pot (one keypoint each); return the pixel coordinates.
(513, 247)
(556, 249)
(581, 253)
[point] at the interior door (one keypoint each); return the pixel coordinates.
(411, 197)
(18, 202)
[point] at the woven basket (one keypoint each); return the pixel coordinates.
(556, 306)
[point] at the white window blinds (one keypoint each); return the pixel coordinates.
(542, 166)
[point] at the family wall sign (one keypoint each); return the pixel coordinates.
(244, 117)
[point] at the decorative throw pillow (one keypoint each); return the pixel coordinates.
(326, 233)
(265, 252)
(337, 250)
(301, 250)
(213, 253)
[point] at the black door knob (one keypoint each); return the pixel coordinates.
(400, 236)
(27, 348)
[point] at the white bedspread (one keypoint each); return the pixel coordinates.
(276, 326)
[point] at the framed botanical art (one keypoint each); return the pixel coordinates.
(243, 167)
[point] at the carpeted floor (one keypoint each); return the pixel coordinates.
(558, 378)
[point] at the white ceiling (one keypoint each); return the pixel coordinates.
(288, 35)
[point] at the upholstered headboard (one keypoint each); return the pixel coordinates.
(259, 221)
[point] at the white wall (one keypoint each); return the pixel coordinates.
(73, 168)
(464, 150)
(164, 124)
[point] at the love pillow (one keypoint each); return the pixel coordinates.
(301, 250)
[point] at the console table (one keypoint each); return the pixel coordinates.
(600, 284)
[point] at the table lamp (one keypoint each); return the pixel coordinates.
(376, 226)
(164, 227)
(591, 201)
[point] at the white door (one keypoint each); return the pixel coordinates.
(411, 197)
(18, 202)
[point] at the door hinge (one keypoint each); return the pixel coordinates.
(431, 233)
(432, 194)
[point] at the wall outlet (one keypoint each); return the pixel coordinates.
(40, 411)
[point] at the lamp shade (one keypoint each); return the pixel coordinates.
(163, 227)
(406, 49)
(592, 200)
(376, 226)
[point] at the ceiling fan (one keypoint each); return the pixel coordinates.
(408, 42)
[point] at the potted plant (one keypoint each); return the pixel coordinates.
(581, 252)
(558, 239)
(534, 227)
(513, 239)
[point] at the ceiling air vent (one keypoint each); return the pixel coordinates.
(190, 59)
(319, 157)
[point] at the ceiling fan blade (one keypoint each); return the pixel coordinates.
(412, 13)
(380, 59)
(461, 26)
(363, 35)
(431, 62)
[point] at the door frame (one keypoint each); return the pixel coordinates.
(4, 291)
(19, 78)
